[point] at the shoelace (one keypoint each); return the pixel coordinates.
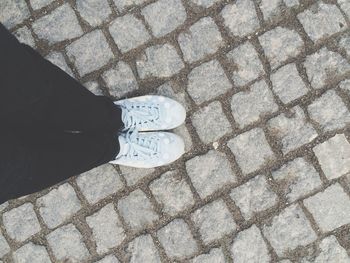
(137, 114)
(141, 148)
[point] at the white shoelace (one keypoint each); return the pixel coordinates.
(141, 148)
(136, 114)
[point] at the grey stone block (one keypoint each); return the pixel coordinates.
(330, 208)
(142, 249)
(271, 9)
(4, 246)
(31, 253)
(24, 35)
(37, 4)
(215, 255)
(13, 12)
(210, 172)
(122, 5)
(164, 16)
(202, 38)
(58, 59)
(95, 12)
(59, 25)
(251, 150)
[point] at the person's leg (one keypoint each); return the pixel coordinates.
(33, 90)
(33, 160)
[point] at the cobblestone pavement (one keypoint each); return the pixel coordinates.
(266, 176)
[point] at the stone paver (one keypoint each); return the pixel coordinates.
(99, 183)
(128, 32)
(322, 21)
(160, 61)
(323, 66)
(172, 192)
(240, 18)
(177, 240)
(202, 39)
(287, 84)
(334, 156)
(90, 52)
(281, 44)
(249, 106)
(251, 150)
(137, 210)
(253, 197)
(58, 205)
(13, 12)
(266, 88)
(95, 12)
(297, 178)
(211, 123)
(106, 228)
(213, 221)
(330, 208)
(142, 249)
(207, 82)
(290, 220)
(292, 131)
(249, 246)
(21, 222)
(67, 244)
(31, 253)
(245, 63)
(120, 80)
(329, 111)
(210, 172)
(164, 16)
(61, 24)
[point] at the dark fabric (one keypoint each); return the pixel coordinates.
(39, 105)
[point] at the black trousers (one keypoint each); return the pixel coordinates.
(39, 107)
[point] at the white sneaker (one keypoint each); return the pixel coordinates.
(149, 149)
(151, 113)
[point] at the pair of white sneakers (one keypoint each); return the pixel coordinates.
(143, 144)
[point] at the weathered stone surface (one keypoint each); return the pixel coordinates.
(4, 246)
(160, 61)
(67, 244)
(322, 21)
(24, 35)
(249, 106)
(344, 44)
(106, 228)
(249, 246)
(202, 39)
(61, 24)
(108, 259)
(290, 220)
(240, 18)
(271, 9)
(21, 222)
(90, 52)
(251, 150)
(334, 156)
(134, 175)
(345, 6)
(177, 240)
(95, 12)
(287, 84)
(120, 80)
(253, 197)
(210, 172)
(345, 86)
(215, 255)
(329, 111)
(292, 130)
(211, 123)
(37, 4)
(31, 253)
(137, 210)
(330, 208)
(245, 63)
(280, 44)
(297, 179)
(214, 221)
(128, 32)
(205, 3)
(164, 16)
(99, 183)
(94, 87)
(324, 66)
(58, 205)
(122, 5)
(207, 81)
(13, 12)
(142, 249)
(172, 192)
